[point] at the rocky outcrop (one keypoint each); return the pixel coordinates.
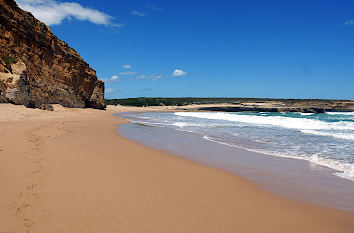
(305, 106)
(47, 107)
(261, 109)
(37, 68)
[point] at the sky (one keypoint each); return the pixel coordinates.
(220, 48)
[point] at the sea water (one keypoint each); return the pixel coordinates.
(325, 139)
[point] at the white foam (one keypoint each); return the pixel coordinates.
(180, 124)
(345, 170)
(330, 134)
(150, 123)
(281, 121)
(339, 129)
(185, 124)
(341, 113)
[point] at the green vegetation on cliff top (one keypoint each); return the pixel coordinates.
(143, 101)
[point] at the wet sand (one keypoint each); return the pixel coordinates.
(291, 178)
(69, 171)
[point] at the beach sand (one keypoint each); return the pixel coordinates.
(69, 171)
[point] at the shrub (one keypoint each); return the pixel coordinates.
(8, 61)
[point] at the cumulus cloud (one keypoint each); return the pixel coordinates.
(349, 23)
(178, 73)
(127, 66)
(137, 13)
(52, 12)
(114, 78)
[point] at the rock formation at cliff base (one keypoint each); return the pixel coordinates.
(37, 68)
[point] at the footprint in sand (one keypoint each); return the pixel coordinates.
(22, 208)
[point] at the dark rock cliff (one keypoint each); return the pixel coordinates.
(37, 68)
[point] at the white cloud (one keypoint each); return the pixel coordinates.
(137, 13)
(178, 73)
(131, 75)
(112, 79)
(115, 77)
(349, 23)
(127, 66)
(52, 12)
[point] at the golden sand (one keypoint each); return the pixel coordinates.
(69, 171)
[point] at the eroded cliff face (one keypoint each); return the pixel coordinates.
(37, 68)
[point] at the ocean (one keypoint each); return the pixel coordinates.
(325, 139)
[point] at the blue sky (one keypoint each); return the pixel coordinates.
(181, 48)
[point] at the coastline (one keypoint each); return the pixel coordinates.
(291, 178)
(69, 171)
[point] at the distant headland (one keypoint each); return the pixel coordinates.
(242, 104)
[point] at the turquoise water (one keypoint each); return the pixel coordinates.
(325, 139)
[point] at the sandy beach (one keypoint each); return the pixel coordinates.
(69, 171)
